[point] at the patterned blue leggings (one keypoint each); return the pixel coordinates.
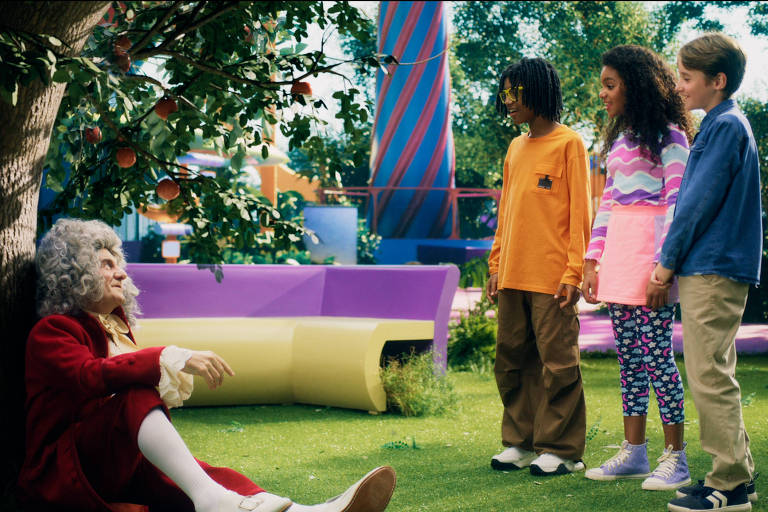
(644, 346)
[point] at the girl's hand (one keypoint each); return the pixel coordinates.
(589, 285)
(209, 366)
(492, 287)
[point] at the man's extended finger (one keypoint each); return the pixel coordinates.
(227, 368)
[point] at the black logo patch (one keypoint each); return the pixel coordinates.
(545, 183)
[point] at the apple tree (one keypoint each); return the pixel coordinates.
(77, 100)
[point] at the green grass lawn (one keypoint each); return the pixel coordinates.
(311, 453)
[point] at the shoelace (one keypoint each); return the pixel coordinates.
(667, 464)
(617, 459)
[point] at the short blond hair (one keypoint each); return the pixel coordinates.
(715, 53)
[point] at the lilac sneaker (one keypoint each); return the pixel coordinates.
(671, 473)
(630, 462)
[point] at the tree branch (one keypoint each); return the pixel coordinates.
(136, 147)
(165, 46)
(272, 85)
(205, 20)
(145, 78)
(217, 71)
(156, 28)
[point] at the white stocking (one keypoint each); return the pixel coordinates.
(163, 447)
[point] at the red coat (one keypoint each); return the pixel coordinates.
(69, 377)
(67, 372)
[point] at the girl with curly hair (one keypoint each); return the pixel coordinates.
(99, 436)
(646, 149)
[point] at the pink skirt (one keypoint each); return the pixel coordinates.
(631, 240)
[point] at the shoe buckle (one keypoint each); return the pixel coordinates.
(251, 502)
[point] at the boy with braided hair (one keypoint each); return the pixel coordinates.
(535, 268)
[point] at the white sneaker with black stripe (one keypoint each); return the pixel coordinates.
(549, 464)
(707, 498)
(513, 458)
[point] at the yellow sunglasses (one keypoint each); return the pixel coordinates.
(511, 94)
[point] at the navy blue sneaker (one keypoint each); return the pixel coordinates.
(751, 490)
(707, 498)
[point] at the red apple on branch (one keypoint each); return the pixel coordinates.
(301, 88)
(124, 62)
(167, 189)
(93, 135)
(126, 157)
(165, 107)
(122, 45)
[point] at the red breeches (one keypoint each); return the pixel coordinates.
(106, 440)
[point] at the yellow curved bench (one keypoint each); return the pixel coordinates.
(321, 360)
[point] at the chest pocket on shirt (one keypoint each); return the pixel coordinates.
(546, 178)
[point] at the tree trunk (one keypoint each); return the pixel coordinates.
(26, 132)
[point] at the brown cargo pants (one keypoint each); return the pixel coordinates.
(538, 376)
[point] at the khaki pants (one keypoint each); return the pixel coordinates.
(712, 306)
(538, 376)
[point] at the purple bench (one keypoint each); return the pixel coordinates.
(415, 292)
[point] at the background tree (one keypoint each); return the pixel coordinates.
(342, 159)
(230, 71)
(488, 36)
(757, 113)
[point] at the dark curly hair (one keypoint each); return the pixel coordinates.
(651, 102)
(541, 87)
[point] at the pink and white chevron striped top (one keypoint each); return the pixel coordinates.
(634, 179)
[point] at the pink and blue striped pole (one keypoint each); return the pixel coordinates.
(412, 138)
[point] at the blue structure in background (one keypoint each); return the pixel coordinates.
(412, 138)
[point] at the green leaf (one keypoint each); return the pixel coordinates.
(75, 91)
(61, 75)
(89, 63)
(10, 96)
(52, 183)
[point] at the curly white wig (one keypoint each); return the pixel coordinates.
(68, 268)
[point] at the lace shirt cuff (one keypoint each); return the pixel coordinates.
(175, 386)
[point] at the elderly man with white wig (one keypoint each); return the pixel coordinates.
(98, 429)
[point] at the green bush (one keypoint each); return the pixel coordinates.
(291, 207)
(151, 248)
(756, 310)
(367, 244)
(474, 273)
(414, 388)
(472, 340)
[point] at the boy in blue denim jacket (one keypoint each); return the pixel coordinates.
(714, 245)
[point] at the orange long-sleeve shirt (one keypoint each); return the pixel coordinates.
(544, 213)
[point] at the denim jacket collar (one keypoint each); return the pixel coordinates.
(716, 111)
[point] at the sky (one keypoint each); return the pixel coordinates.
(755, 82)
